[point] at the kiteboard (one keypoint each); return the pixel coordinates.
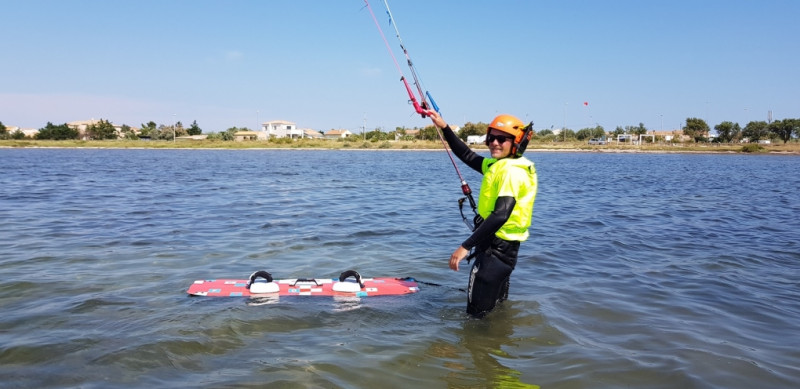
(261, 284)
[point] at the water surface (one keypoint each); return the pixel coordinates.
(645, 270)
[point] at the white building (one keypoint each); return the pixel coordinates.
(337, 134)
(280, 129)
(28, 132)
(476, 139)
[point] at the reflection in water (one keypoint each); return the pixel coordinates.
(483, 342)
(346, 303)
(340, 303)
(263, 300)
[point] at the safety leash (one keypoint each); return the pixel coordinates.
(431, 283)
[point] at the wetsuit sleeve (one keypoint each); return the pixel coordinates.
(462, 151)
(499, 216)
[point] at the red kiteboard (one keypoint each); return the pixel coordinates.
(261, 284)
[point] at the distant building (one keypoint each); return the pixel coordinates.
(312, 134)
(28, 132)
(241, 136)
(83, 125)
(193, 137)
(337, 134)
(412, 133)
(476, 139)
(669, 136)
(280, 129)
(406, 135)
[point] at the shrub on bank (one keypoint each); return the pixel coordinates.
(752, 148)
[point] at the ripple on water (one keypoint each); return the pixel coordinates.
(641, 271)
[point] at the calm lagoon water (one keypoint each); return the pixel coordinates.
(643, 270)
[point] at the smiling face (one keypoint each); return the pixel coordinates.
(499, 143)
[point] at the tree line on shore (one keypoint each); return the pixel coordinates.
(696, 129)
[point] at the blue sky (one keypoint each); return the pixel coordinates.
(323, 64)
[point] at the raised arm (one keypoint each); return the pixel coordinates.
(460, 149)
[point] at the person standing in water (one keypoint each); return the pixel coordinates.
(507, 194)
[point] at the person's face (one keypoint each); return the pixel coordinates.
(499, 143)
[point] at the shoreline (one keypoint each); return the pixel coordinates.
(788, 149)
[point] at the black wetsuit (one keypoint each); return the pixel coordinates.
(495, 258)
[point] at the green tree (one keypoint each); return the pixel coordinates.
(545, 132)
(59, 132)
(636, 130)
(376, 135)
(428, 133)
(728, 131)
(165, 132)
(696, 128)
(598, 132)
(149, 128)
(400, 133)
(796, 127)
(591, 132)
(179, 130)
(545, 136)
(128, 132)
(194, 129)
(17, 134)
(160, 133)
(583, 134)
(102, 130)
(470, 128)
(783, 129)
(229, 134)
(756, 130)
(3, 131)
(216, 136)
(565, 135)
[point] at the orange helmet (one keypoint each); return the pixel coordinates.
(513, 126)
(508, 124)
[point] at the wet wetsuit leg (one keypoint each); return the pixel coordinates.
(489, 276)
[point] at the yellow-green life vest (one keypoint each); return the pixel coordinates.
(515, 177)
